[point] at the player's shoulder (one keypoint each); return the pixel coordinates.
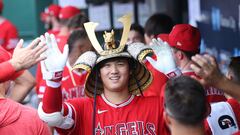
(80, 101)
(28, 112)
(151, 103)
(148, 99)
(9, 24)
(80, 104)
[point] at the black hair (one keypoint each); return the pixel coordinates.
(234, 67)
(77, 21)
(185, 101)
(75, 36)
(190, 54)
(64, 22)
(158, 23)
(130, 62)
(138, 28)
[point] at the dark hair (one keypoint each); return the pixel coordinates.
(77, 21)
(158, 23)
(138, 28)
(185, 100)
(75, 36)
(188, 54)
(234, 67)
(64, 22)
(130, 61)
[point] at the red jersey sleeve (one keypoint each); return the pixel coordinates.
(207, 128)
(82, 108)
(236, 109)
(237, 133)
(38, 76)
(52, 100)
(7, 70)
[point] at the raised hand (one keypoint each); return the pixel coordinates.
(165, 62)
(52, 67)
(207, 68)
(24, 58)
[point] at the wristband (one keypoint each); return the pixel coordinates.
(173, 74)
(52, 75)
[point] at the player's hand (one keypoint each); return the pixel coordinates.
(24, 58)
(207, 68)
(52, 67)
(165, 62)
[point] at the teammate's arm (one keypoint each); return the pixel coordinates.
(22, 86)
(52, 110)
(23, 58)
(207, 68)
(7, 70)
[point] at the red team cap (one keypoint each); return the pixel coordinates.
(54, 10)
(5, 56)
(183, 37)
(68, 12)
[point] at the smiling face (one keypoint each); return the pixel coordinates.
(115, 75)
